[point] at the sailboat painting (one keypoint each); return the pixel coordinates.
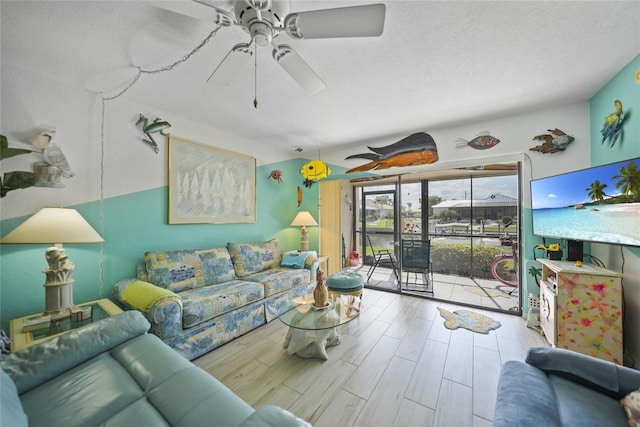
(210, 185)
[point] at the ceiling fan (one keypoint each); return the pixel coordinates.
(265, 20)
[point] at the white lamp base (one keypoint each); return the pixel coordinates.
(58, 299)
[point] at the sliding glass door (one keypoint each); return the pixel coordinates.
(454, 236)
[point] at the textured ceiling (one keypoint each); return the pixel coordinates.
(437, 64)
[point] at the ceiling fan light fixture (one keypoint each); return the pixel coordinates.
(262, 33)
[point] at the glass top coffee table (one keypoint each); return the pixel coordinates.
(312, 329)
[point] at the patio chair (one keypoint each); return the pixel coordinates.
(380, 255)
(416, 258)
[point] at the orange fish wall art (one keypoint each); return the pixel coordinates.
(416, 149)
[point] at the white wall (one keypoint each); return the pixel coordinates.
(29, 101)
(516, 137)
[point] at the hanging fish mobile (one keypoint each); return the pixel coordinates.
(416, 149)
(612, 129)
(157, 125)
(482, 141)
(314, 171)
(554, 141)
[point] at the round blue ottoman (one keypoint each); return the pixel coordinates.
(346, 282)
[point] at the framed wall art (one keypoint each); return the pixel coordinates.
(209, 184)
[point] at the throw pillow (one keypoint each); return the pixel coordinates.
(631, 406)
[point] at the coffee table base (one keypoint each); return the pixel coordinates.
(309, 344)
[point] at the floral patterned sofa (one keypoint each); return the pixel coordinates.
(198, 299)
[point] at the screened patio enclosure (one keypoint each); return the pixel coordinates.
(445, 231)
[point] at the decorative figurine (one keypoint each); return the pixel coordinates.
(156, 126)
(299, 196)
(612, 128)
(416, 149)
(60, 267)
(321, 292)
(277, 175)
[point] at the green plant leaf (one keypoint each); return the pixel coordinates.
(16, 180)
(6, 152)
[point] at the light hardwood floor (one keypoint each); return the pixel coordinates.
(397, 365)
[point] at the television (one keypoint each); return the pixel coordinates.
(599, 204)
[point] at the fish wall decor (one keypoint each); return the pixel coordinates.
(482, 141)
(416, 149)
(612, 128)
(314, 171)
(554, 141)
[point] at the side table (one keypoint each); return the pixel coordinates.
(102, 309)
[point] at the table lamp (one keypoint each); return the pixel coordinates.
(57, 226)
(304, 219)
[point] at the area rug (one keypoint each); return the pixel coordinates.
(470, 320)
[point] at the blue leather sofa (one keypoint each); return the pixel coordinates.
(558, 387)
(113, 373)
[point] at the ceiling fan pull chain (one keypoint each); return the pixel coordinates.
(255, 76)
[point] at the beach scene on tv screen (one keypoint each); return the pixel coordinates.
(599, 204)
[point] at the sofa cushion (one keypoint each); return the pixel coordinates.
(524, 392)
(86, 395)
(584, 406)
(202, 304)
(189, 269)
(278, 279)
(250, 258)
(11, 412)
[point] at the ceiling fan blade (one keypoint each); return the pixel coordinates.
(354, 21)
(298, 69)
(231, 64)
(189, 8)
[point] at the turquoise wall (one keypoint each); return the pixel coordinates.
(138, 222)
(624, 88)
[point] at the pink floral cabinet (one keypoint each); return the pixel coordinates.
(581, 309)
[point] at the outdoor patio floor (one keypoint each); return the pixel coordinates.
(489, 294)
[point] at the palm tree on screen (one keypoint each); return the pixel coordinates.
(629, 180)
(596, 190)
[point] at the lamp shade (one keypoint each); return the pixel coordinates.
(303, 218)
(54, 225)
